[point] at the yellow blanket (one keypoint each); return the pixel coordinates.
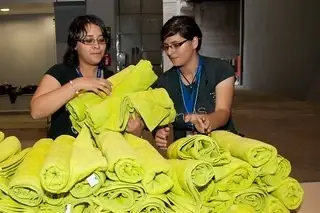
(156, 179)
(192, 177)
(7, 205)
(253, 196)
(9, 147)
(2, 136)
(154, 204)
(199, 147)
(290, 193)
(119, 196)
(89, 185)
(219, 202)
(55, 172)
(9, 166)
(252, 151)
(274, 205)
(25, 185)
(235, 176)
(122, 160)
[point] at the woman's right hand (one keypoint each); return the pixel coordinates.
(161, 138)
(93, 84)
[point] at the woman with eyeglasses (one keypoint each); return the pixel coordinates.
(82, 70)
(201, 87)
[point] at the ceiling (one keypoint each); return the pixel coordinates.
(26, 8)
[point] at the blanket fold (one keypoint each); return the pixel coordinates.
(7, 205)
(25, 186)
(55, 172)
(253, 196)
(122, 159)
(2, 136)
(9, 166)
(155, 204)
(274, 205)
(252, 151)
(219, 202)
(290, 193)
(235, 176)
(119, 196)
(9, 146)
(156, 167)
(199, 147)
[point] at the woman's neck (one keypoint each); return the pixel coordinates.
(87, 70)
(189, 70)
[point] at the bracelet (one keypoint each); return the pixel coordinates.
(74, 88)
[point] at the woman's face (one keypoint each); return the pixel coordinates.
(179, 50)
(92, 48)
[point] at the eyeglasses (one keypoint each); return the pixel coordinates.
(91, 41)
(174, 46)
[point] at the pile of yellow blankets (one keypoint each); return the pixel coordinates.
(106, 170)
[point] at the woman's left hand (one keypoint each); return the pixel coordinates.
(135, 125)
(200, 121)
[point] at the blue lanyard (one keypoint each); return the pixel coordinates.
(190, 99)
(99, 73)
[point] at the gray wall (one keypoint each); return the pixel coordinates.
(27, 48)
(281, 43)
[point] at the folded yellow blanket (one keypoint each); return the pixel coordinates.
(192, 177)
(218, 202)
(155, 107)
(253, 196)
(156, 167)
(199, 147)
(290, 193)
(25, 186)
(55, 172)
(252, 151)
(274, 205)
(80, 166)
(119, 196)
(9, 166)
(2, 136)
(183, 203)
(9, 147)
(89, 185)
(133, 78)
(122, 160)
(7, 205)
(154, 204)
(235, 176)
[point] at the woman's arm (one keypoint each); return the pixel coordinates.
(49, 97)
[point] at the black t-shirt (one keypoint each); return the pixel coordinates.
(213, 72)
(60, 122)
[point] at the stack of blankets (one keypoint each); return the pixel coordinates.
(107, 170)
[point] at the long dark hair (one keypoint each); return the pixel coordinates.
(186, 26)
(77, 32)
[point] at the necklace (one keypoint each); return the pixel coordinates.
(189, 83)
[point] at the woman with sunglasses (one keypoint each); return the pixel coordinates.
(82, 70)
(201, 87)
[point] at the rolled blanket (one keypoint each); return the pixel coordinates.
(133, 79)
(9, 147)
(252, 151)
(119, 196)
(80, 103)
(199, 147)
(9, 166)
(283, 169)
(84, 205)
(253, 196)
(155, 204)
(155, 107)
(219, 202)
(80, 166)
(122, 159)
(290, 193)
(7, 205)
(25, 186)
(266, 169)
(156, 179)
(235, 176)
(192, 176)
(274, 205)
(55, 172)
(85, 188)
(111, 114)
(182, 203)
(2, 136)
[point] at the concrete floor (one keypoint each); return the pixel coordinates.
(290, 125)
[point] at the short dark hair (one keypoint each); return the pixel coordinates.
(77, 32)
(186, 26)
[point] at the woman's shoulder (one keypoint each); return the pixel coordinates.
(218, 69)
